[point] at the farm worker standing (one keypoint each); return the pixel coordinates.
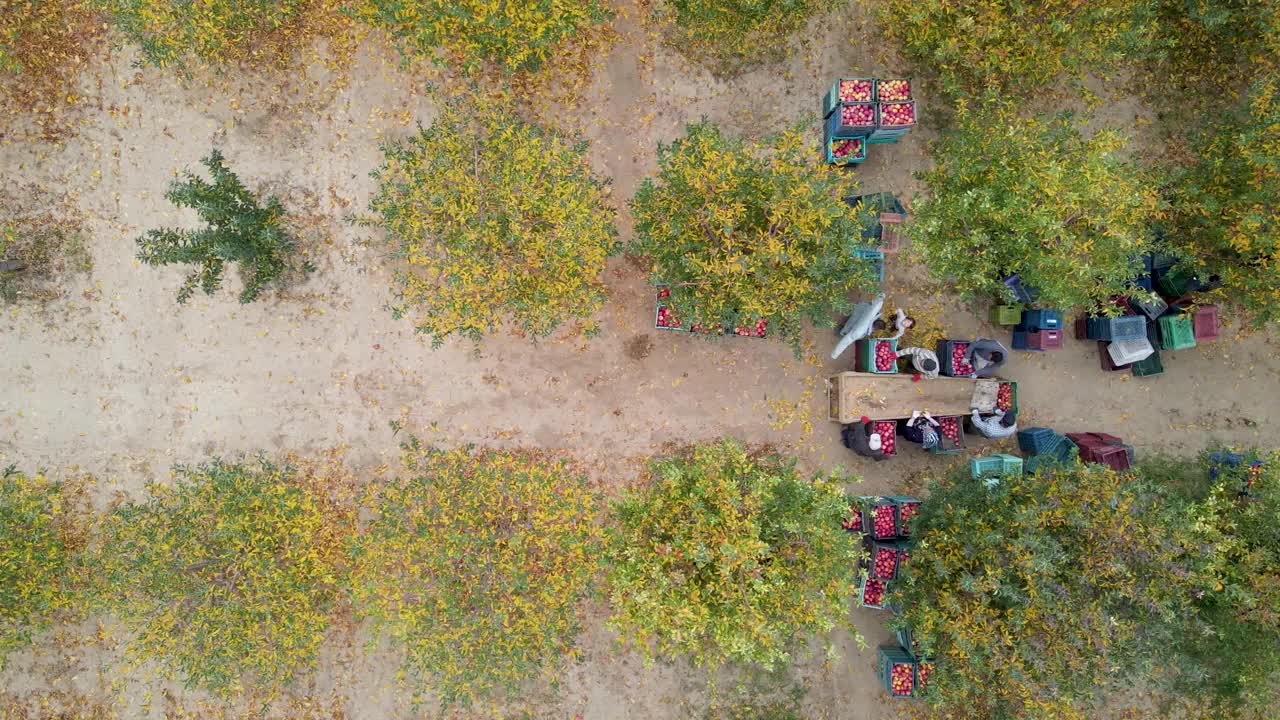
(1000, 425)
(924, 361)
(859, 438)
(986, 356)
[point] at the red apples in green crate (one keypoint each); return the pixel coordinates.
(847, 149)
(906, 511)
(858, 115)
(884, 562)
(897, 114)
(902, 680)
(888, 436)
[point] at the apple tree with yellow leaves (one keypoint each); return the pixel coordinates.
(471, 34)
(1032, 196)
(187, 33)
(43, 532)
(724, 554)
(496, 223)
(230, 574)
(476, 561)
(1003, 48)
(743, 231)
(1035, 594)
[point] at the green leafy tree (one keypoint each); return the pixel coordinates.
(1223, 216)
(230, 574)
(496, 221)
(1031, 196)
(731, 35)
(1231, 667)
(997, 48)
(1035, 593)
(42, 535)
(740, 237)
(473, 33)
(728, 555)
(477, 563)
(240, 230)
(222, 32)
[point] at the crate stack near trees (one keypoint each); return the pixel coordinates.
(859, 112)
(1039, 330)
(1161, 314)
(885, 526)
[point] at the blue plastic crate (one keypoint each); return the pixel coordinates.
(1021, 292)
(1037, 439)
(1041, 320)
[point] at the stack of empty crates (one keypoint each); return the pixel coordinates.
(1039, 330)
(858, 112)
(1045, 449)
(1103, 449)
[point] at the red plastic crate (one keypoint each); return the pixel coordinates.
(1113, 456)
(1083, 440)
(1045, 340)
(1108, 439)
(889, 231)
(1104, 359)
(1205, 323)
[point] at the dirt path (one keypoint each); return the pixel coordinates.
(121, 382)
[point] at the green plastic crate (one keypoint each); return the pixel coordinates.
(1013, 394)
(898, 502)
(1006, 314)
(1174, 283)
(985, 467)
(889, 656)
(866, 358)
(1009, 464)
(862, 590)
(1151, 366)
(1177, 332)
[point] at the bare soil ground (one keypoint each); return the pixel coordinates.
(117, 380)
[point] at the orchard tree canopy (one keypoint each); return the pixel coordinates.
(229, 574)
(514, 36)
(728, 555)
(42, 532)
(477, 562)
(731, 35)
(1036, 593)
(498, 222)
(1033, 197)
(994, 48)
(746, 231)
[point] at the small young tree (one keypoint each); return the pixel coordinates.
(738, 236)
(42, 533)
(1224, 218)
(180, 32)
(477, 563)
(1035, 593)
(728, 555)
(474, 33)
(228, 575)
(240, 230)
(997, 48)
(1033, 197)
(497, 222)
(731, 35)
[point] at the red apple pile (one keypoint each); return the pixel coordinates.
(664, 292)
(855, 90)
(885, 565)
(906, 511)
(666, 318)
(894, 90)
(886, 357)
(950, 428)
(901, 679)
(1004, 397)
(873, 593)
(958, 365)
(923, 670)
(846, 148)
(897, 114)
(882, 525)
(852, 523)
(861, 115)
(888, 441)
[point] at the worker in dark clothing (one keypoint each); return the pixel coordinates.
(860, 438)
(986, 356)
